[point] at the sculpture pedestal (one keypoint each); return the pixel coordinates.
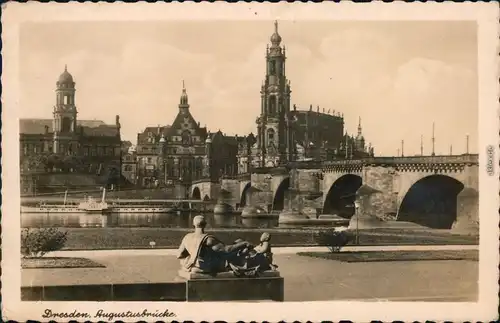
(226, 287)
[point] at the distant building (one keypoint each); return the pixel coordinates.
(284, 134)
(183, 152)
(126, 145)
(66, 144)
(129, 165)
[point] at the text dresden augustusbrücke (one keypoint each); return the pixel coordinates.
(107, 316)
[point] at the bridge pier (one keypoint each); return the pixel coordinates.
(376, 199)
(467, 211)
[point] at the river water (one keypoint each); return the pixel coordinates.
(82, 220)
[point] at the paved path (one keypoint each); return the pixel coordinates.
(278, 251)
(306, 278)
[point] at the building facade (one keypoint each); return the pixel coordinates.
(129, 165)
(67, 144)
(183, 152)
(284, 134)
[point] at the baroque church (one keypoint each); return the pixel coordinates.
(286, 133)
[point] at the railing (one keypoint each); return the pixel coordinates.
(460, 159)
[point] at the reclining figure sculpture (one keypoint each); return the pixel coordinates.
(203, 254)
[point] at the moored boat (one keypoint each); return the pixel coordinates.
(140, 209)
(47, 208)
(90, 205)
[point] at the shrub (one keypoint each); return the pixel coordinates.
(37, 242)
(332, 239)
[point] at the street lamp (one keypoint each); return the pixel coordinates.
(467, 144)
(356, 212)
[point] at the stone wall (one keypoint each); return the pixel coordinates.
(264, 196)
(382, 204)
(232, 186)
(467, 210)
(306, 181)
(207, 189)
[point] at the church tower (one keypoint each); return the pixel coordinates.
(360, 139)
(274, 135)
(64, 114)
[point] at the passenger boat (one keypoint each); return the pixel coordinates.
(90, 205)
(52, 208)
(141, 209)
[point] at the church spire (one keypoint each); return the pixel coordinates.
(359, 127)
(184, 96)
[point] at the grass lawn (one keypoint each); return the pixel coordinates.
(58, 262)
(170, 238)
(377, 256)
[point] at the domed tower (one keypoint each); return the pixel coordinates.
(65, 112)
(274, 131)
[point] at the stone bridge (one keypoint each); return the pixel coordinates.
(434, 191)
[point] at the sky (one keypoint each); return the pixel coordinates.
(399, 77)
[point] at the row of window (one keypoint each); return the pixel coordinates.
(70, 149)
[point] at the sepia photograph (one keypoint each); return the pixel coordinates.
(264, 156)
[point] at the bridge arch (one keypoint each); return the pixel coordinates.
(341, 195)
(431, 201)
(243, 198)
(280, 194)
(196, 195)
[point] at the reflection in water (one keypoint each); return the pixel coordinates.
(81, 220)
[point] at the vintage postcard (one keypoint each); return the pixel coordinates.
(265, 162)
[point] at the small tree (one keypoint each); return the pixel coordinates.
(37, 242)
(333, 239)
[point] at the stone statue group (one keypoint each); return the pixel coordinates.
(203, 254)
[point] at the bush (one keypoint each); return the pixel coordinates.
(332, 239)
(37, 242)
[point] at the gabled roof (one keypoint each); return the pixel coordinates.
(183, 117)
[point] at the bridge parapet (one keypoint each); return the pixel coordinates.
(412, 163)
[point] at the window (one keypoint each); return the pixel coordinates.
(186, 138)
(150, 160)
(272, 67)
(272, 105)
(270, 136)
(66, 124)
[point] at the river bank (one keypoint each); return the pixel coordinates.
(168, 238)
